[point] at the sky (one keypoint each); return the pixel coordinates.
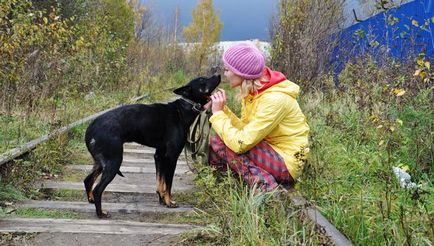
(242, 19)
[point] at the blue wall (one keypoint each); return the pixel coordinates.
(392, 32)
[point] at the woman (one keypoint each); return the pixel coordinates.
(268, 145)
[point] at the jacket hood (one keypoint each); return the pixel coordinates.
(278, 82)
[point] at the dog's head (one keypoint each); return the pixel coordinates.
(199, 89)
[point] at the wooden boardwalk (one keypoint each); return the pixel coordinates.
(131, 201)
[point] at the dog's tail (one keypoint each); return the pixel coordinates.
(120, 174)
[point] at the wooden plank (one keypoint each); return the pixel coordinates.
(140, 151)
(180, 169)
(135, 160)
(329, 229)
(316, 217)
(91, 226)
(120, 188)
(85, 207)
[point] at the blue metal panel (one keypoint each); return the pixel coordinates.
(401, 33)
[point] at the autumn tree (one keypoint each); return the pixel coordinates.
(202, 33)
(300, 35)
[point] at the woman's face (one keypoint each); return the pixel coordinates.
(234, 80)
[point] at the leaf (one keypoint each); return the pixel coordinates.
(423, 74)
(417, 72)
(427, 65)
(45, 20)
(404, 167)
(415, 23)
(399, 122)
(399, 92)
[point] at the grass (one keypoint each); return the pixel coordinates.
(238, 215)
(42, 213)
(10, 193)
(355, 142)
(349, 176)
(22, 126)
(64, 195)
(37, 213)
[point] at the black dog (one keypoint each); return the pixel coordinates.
(161, 126)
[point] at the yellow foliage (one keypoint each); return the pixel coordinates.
(399, 122)
(203, 31)
(398, 92)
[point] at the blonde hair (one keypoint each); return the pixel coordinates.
(250, 86)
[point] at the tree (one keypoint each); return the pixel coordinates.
(203, 32)
(302, 38)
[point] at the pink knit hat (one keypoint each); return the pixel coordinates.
(245, 60)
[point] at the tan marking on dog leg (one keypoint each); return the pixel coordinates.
(90, 197)
(168, 200)
(160, 189)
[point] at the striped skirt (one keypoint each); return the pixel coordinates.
(261, 165)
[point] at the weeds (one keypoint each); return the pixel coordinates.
(239, 215)
(358, 135)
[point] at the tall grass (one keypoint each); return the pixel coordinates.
(357, 136)
(239, 215)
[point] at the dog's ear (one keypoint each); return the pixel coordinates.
(183, 91)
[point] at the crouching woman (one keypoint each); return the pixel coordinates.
(268, 145)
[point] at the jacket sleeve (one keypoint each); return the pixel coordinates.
(270, 112)
(236, 122)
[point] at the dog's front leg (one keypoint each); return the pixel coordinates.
(164, 194)
(165, 171)
(170, 172)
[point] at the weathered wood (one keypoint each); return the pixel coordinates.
(146, 188)
(90, 226)
(85, 207)
(316, 217)
(140, 151)
(330, 230)
(180, 169)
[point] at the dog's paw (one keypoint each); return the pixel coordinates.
(160, 199)
(104, 215)
(90, 197)
(172, 204)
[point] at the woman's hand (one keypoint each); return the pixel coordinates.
(218, 101)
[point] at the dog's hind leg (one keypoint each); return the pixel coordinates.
(108, 174)
(90, 180)
(111, 160)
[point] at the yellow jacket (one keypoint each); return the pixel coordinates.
(272, 115)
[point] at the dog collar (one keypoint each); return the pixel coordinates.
(196, 106)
